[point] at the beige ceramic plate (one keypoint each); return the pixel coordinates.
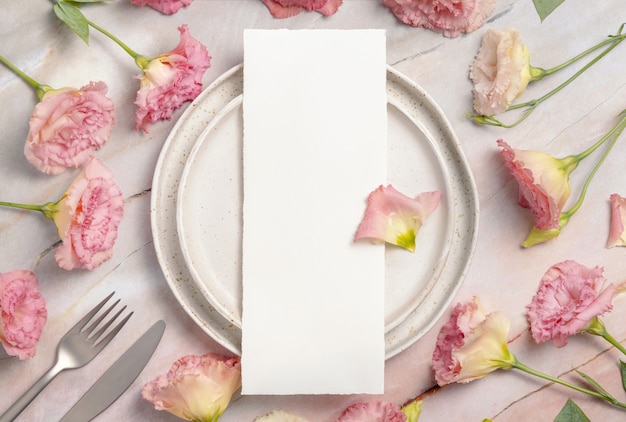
(196, 212)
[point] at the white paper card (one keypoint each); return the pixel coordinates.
(315, 127)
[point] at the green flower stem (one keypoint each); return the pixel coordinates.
(538, 72)
(597, 328)
(47, 209)
(141, 60)
(604, 396)
(40, 89)
(613, 134)
(614, 41)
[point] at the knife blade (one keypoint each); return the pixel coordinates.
(117, 378)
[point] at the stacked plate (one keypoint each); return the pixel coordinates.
(197, 200)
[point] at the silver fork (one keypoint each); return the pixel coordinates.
(78, 347)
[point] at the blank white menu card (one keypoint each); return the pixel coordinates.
(315, 127)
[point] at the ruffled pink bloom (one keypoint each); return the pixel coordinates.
(617, 231)
(23, 313)
(87, 218)
(543, 182)
(196, 388)
(287, 8)
(395, 218)
(170, 80)
(449, 17)
(501, 71)
(569, 296)
(376, 411)
(67, 126)
(168, 7)
(471, 344)
(280, 416)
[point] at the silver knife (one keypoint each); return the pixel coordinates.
(117, 378)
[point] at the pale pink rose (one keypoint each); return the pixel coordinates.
(87, 218)
(395, 218)
(67, 126)
(543, 182)
(617, 233)
(23, 313)
(449, 17)
(500, 72)
(375, 411)
(196, 388)
(280, 416)
(569, 296)
(287, 8)
(471, 344)
(171, 79)
(168, 7)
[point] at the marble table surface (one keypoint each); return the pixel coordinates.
(502, 273)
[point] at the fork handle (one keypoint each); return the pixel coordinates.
(21, 403)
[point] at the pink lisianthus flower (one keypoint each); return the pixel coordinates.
(168, 7)
(471, 344)
(196, 388)
(87, 218)
(67, 126)
(287, 8)
(23, 313)
(375, 411)
(501, 71)
(395, 218)
(170, 80)
(280, 416)
(449, 17)
(569, 297)
(543, 182)
(617, 231)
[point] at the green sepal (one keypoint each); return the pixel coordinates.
(545, 7)
(571, 413)
(74, 18)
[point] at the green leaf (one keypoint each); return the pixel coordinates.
(571, 413)
(74, 18)
(622, 367)
(545, 7)
(412, 411)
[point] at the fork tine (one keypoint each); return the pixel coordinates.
(83, 322)
(111, 320)
(98, 320)
(105, 340)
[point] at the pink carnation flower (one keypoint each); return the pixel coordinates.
(501, 71)
(617, 231)
(449, 17)
(471, 344)
(170, 80)
(23, 313)
(87, 218)
(395, 218)
(376, 411)
(196, 388)
(168, 7)
(570, 295)
(543, 182)
(67, 126)
(287, 8)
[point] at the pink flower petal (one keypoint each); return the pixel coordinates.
(282, 9)
(168, 7)
(395, 218)
(617, 233)
(375, 411)
(568, 297)
(23, 313)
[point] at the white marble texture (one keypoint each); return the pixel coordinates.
(504, 275)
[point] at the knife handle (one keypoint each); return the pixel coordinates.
(21, 403)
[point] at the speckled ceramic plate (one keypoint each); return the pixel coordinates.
(197, 197)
